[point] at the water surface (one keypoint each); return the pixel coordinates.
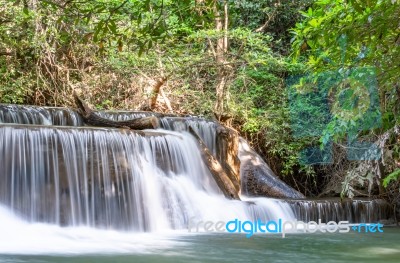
(184, 247)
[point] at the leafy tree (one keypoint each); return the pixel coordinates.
(354, 47)
(273, 17)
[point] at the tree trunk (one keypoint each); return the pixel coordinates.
(221, 26)
(156, 91)
(91, 118)
(220, 177)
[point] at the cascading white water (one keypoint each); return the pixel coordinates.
(63, 189)
(39, 115)
(60, 186)
(112, 179)
(21, 237)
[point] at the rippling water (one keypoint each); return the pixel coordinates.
(349, 247)
(26, 242)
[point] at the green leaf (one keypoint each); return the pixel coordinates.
(313, 22)
(391, 177)
(113, 27)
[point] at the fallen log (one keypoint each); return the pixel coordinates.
(91, 118)
(220, 176)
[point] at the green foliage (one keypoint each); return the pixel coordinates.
(339, 34)
(354, 47)
(273, 17)
(117, 22)
(259, 100)
(344, 36)
(391, 177)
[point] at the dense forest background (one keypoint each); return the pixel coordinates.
(259, 66)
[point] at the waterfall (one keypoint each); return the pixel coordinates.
(354, 211)
(54, 170)
(101, 177)
(112, 178)
(39, 115)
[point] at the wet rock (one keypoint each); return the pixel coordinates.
(258, 179)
